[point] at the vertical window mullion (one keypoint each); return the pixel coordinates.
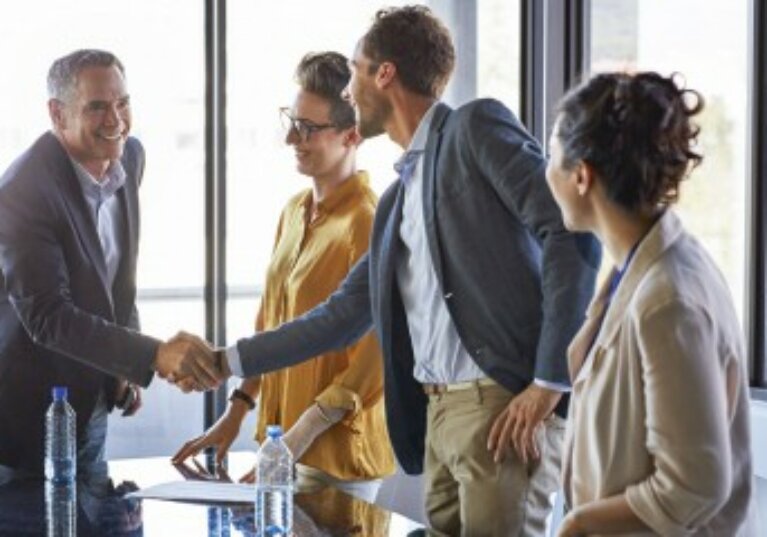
(551, 63)
(215, 190)
(757, 223)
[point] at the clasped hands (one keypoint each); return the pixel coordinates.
(191, 363)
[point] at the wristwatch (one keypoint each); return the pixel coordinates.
(237, 393)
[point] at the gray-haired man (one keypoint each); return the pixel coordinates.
(69, 222)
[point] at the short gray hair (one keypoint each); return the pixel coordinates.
(62, 76)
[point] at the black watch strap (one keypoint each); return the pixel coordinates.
(242, 396)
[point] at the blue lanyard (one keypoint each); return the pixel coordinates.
(614, 282)
(618, 275)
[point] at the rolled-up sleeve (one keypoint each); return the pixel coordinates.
(687, 425)
(361, 384)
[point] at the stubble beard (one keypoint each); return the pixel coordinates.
(373, 125)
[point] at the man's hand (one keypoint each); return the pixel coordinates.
(127, 397)
(189, 383)
(188, 358)
(516, 425)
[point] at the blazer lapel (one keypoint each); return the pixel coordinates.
(129, 201)
(584, 342)
(390, 243)
(431, 156)
(82, 218)
(663, 233)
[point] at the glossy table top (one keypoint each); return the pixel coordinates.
(102, 509)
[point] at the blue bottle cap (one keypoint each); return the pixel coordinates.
(273, 431)
(59, 393)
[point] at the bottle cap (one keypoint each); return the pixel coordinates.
(59, 393)
(273, 431)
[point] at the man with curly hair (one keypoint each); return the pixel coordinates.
(472, 284)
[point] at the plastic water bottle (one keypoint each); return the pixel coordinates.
(61, 509)
(60, 454)
(274, 486)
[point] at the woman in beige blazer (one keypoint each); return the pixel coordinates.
(658, 435)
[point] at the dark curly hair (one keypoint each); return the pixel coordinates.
(635, 131)
(326, 74)
(417, 42)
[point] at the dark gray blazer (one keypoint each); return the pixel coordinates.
(60, 324)
(516, 283)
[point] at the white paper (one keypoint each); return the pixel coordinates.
(199, 491)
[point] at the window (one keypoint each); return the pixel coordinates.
(709, 48)
(261, 175)
(166, 84)
(261, 171)
(169, 114)
(498, 51)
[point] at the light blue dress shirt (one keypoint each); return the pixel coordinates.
(105, 211)
(440, 357)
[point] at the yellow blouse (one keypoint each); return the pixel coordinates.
(309, 261)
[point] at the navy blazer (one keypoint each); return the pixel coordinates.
(60, 323)
(516, 283)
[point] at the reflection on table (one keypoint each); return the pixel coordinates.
(328, 512)
(97, 506)
(90, 507)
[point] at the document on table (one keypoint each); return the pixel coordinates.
(199, 491)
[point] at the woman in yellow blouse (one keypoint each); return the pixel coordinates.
(658, 433)
(332, 405)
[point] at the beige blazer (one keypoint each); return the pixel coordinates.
(660, 400)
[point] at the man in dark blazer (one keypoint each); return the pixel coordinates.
(473, 286)
(69, 231)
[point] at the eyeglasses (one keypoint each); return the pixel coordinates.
(303, 127)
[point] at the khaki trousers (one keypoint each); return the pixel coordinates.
(467, 493)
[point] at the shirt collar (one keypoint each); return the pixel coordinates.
(114, 179)
(418, 143)
(421, 135)
(351, 186)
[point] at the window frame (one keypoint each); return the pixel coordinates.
(215, 194)
(757, 221)
(550, 65)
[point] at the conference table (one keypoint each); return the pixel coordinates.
(104, 507)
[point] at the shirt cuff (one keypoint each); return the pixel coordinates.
(337, 396)
(556, 386)
(233, 359)
(646, 505)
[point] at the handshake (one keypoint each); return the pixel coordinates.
(191, 363)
